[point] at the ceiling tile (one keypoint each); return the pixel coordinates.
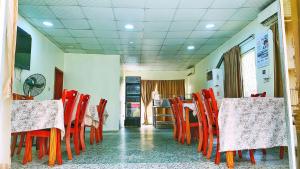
(202, 34)
(154, 34)
(39, 23)
(106, 34)
(90, 46)
(183, 25)
(128, 14)
(245, 14)
(57, 32)
(189, 14)
(260, 4)
(108, 41)
(178, 34)
(234, 25)
(156, 26)
(218, 14)
(128, 3)
(216, 41)
(195, 4)
(76, 23)
(32, 2)
(67, 12)
(153, 41)
(174, 41)
(81, 33)
(228, 3)
(98, 13)
(162, 4)
(87, 40)
(60, 2)
(36, 11)
(195, 41)
(95, 3)
(75, 51)
(159, 14)
(131, 35)
(151, 47)
(102, 24)
(64, 39)
(224, 34)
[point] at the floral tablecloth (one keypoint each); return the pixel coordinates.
(191, 106)
(252, 123)
(91, 116)
(29, 115)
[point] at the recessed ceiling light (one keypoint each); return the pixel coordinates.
(47, 23)
(191, 47)
(131, 42)
(210, 25)
(129, 26)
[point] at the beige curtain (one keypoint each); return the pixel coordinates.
(233, 86)
(278, 84)
(8, 19)
(171, 88)
(148, 86)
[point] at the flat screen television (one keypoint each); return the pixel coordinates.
(23, 50)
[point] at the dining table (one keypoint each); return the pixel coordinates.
(251, 123)
(30, 115)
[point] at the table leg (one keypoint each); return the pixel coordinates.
(229, 159)
(52, 146)
(58, 149)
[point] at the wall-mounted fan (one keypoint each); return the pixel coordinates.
(34, 85)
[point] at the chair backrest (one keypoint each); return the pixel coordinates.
(101, 108)
(263, 94)
(174, 109)
(68, 99)
(200, 108)
(211, 104)
(21, 97)
(81, 108)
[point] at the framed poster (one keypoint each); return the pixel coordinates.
(262, 56)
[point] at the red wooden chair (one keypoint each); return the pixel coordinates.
(101, 109)
(77, 127)
(203, 143)
(21, 134)
(264, 151)
(68, 99)
(185, 124)
(175, 117)
(213, 112)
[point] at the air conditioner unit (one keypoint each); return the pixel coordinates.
(190, 71)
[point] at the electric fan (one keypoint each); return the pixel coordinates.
(34, 85)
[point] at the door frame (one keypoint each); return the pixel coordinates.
(60, 71)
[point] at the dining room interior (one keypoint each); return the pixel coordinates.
(149, 84)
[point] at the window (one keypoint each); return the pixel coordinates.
(249, 73)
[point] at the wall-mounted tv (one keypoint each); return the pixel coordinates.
(23, 50)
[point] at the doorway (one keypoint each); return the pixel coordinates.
(58, 83)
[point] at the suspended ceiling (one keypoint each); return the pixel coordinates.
(162, 28)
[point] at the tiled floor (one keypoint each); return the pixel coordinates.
(149, 148)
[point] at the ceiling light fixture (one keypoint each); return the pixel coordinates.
(47, 23)
(131, 42)
(209, 26)
(129, 26)
(191, 47)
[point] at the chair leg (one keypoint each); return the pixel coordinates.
(281, 154)
(40, 144)
(76, 142)
(218, 154)
(200, 139)
(92, 135)
(210, 143)
(27, 153)
(264, 151)
(101, 132)
(21, 142)
(97, 134)
(240, 154)
(82, 143)
(183, 135)
(252, 159)
(68, 147)
(13, 144)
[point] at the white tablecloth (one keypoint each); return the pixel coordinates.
(29, 115)
(252, 123)
(191, 106)
(91, 116)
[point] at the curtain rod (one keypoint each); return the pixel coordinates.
(240, 44)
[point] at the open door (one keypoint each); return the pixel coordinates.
(58, 83)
